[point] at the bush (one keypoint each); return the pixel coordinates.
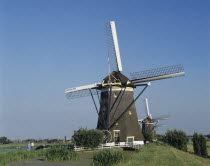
(148, 136)
(5, 140)
(58, 153)
(196, 144)
(107, 157)
(199, 145)
(88, 138)
(177, 139)
(53, 141)
(160, 137)
(203, 148)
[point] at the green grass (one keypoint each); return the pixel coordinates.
(161, 154)
(107, 157)
(7, 157)
(60, 153)
(55, 153)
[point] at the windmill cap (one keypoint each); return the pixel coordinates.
(115, 77)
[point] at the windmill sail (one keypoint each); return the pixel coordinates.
(157, 74)
(82, 91)
(166, 117)
(114, 51)
(147, 109)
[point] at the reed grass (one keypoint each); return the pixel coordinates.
(6, 157)
(59, 153)
(107, 157)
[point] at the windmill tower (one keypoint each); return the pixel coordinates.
(149, 124)
(117, 115)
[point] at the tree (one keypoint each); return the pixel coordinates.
(4, 140)
(199, 145)
(88, 138)
(196, 144)
(177, 139)
(148, 136)
(160, 137)
(203, 149)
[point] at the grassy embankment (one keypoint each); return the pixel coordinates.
(164, 155)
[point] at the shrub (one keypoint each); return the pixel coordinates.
(58, 153)
(107, 157)
(196, 144)
(160, 137)
(53, 141)
(88, 138)
(199, 145)
(203, 148)
(177, 139)
(148, 136)
(5, 140)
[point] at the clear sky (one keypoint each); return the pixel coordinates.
(49, 45)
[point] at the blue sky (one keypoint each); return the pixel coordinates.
(49, 45)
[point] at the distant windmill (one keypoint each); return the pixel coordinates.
(149, 124)
(117, 115)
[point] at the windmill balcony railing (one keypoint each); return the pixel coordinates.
(109, 145)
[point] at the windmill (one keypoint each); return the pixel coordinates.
(149, 124)
(117, 115)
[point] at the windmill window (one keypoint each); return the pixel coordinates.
(130, 139)
(130, 113)
(116, 135)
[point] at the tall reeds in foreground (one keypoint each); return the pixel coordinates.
(58, 153)
(107, 157)
(6, 157)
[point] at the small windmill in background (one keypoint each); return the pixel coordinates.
(149, 124)
(117, 115)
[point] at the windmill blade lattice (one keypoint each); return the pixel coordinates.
(153, 74)
(82, 93)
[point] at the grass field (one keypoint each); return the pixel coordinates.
(164, 155)
(149, 155)
(21, 145)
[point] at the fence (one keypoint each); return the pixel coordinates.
(108, 146)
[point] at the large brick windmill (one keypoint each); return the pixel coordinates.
(117, 115)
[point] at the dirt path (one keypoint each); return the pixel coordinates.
(39, 162)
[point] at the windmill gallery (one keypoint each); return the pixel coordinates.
(117, 116)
